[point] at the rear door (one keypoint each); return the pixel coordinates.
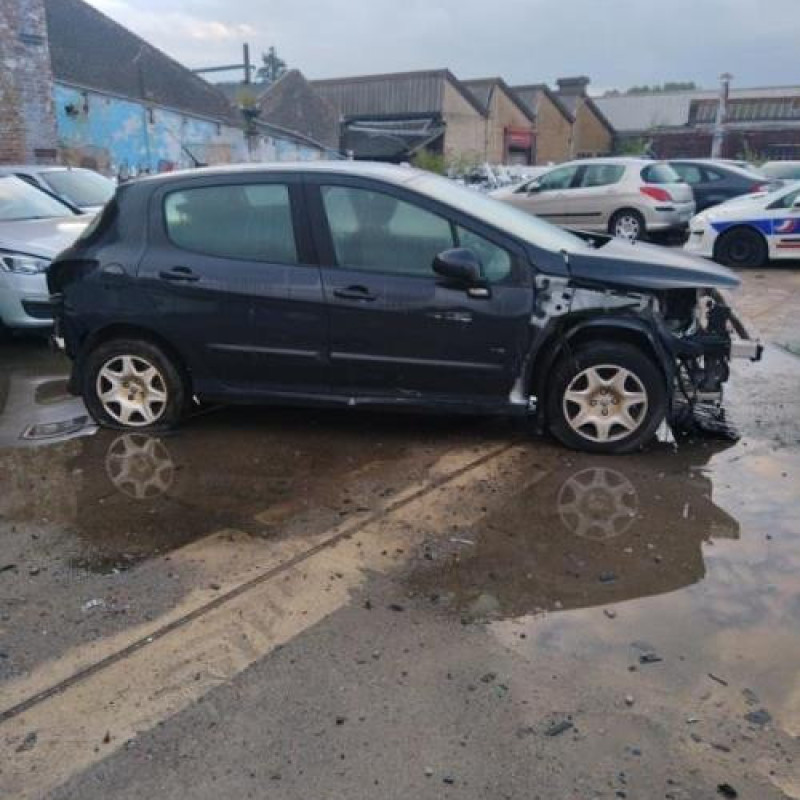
(233, 284)
(593, 199)
(396, 328)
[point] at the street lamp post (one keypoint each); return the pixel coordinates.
(718, 141)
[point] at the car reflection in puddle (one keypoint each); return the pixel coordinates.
(578, 537)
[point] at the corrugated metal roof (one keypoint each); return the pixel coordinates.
(481, 90)
(672, 109)
(385, 94)
(393, 93)
(532, 93)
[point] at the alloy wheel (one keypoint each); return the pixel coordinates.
(605, 403)
(132, 391)
(628, 227)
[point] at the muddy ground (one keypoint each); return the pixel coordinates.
(304, 604)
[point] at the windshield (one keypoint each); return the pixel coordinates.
(507, 218)
(19, 200)
(81, 187)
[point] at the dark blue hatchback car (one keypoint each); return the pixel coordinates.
(354, 284)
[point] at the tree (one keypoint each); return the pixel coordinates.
(669, 86)
(273, 67)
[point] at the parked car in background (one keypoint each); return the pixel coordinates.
(750, 230)
(83, 188)
(713, 182)
(34, 227)
(627, 197)
(356, 284)
(782, 170)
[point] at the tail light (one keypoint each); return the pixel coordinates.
(759, 187)
(657, 193)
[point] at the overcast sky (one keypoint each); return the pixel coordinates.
(618, 43)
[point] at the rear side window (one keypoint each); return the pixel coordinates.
(660, 173)
(251, 223)
(712, 175)
(691, 173)
(601, 175)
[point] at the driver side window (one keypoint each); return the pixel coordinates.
(377, 232)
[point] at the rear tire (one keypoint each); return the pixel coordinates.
(745, 248)
(606, 397)
(131, 384)
(629, 224)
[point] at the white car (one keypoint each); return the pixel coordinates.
(750, 230)
(34, 228)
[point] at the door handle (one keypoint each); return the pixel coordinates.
(355, 293)
(179, 274)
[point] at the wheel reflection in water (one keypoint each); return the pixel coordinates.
(598, 504)
(140, 466)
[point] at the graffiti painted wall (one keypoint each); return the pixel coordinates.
(122, 137)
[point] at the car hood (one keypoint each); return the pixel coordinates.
(44, 238)
(737, 206)
(621, 264)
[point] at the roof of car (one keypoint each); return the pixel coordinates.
(626, 161)
(33, 168)
(367, 169)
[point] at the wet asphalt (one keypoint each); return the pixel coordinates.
(287, 603)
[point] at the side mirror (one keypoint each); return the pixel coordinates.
(534, 187)
(796, 203)
(460, 265)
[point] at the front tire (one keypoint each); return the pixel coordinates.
(606, 397)
(745, 248)
(131, 384)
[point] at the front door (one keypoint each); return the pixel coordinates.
(395, 326)
(231, 286)
(548, 196)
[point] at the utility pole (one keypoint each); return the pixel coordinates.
(718, 141)
(246, 66)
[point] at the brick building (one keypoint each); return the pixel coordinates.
(553, 122)
(592, 133)
(391, 117)
(27, 118)
(510, 125)
(78, 88)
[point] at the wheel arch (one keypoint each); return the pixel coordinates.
(631, 209)
(736, 227)
(567, 337)
(121, 330)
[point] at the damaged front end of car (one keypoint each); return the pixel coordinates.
(703, 346)
(669, 305)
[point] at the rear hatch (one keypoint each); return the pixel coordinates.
(662, 184)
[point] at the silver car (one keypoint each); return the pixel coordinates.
(83, 188)
(628, 197)
(34, 227)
